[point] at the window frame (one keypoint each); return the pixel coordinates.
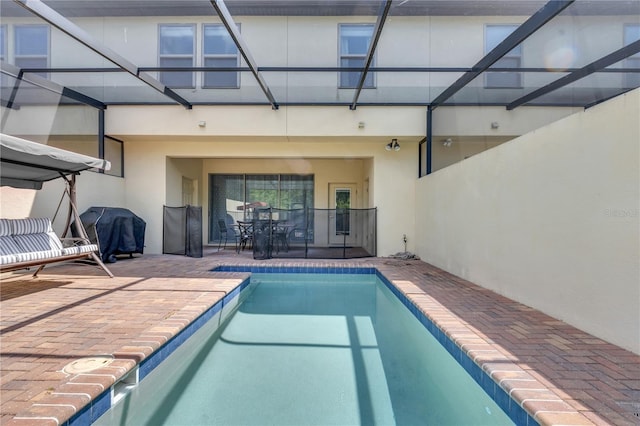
(363, 56)
(4, 43)
(177, 55)
(17, 56)
(509, 56)
(206, 56)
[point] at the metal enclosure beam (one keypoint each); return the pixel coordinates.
(605, 61)
(10, 103)
(101, 137)
(372, 50)
(38, 81)
(63, 24)
(429, 142)
(232, 28)
(531, 25)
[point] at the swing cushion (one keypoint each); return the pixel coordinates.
(8, 246)
(87, 248)
(30, 225)
(27, 242)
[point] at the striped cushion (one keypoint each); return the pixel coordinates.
(5, 227)
(8, 246)
(7, 259)
(80, 249)
(38, 255)
(38, 242)
(31, 225)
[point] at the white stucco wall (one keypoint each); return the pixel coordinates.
(153, 134)
(391, 192)
(177, 168)
(550, 219)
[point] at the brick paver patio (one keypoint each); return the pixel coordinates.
(560, 374)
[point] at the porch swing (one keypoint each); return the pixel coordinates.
(31, 242)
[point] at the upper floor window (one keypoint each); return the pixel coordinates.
(631, 34)
(354, 47)
(220, 51)
(3, 42)
(494, 35)
(176, 49)
(31, 46)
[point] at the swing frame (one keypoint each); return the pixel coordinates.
(27, 164)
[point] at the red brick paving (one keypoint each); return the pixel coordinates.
(559, 374)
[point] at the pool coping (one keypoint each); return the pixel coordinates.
(526, 400)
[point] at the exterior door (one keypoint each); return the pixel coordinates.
(187, 191)
(342, 197)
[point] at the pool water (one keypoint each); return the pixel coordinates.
(306, 349)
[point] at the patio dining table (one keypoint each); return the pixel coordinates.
(269, 235)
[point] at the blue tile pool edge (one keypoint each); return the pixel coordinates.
(97, 407)
(296, 269)
(102, 403)
(510, 406)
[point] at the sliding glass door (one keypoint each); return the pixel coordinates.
(233, 197)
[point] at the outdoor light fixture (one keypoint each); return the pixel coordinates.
(393, 145)
(447, 142)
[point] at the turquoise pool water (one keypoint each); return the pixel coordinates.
(308, 349)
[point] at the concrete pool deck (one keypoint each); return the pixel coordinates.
(558, 373)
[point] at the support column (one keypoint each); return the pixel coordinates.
(429, 138)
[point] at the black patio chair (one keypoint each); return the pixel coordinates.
(245, 235)
(225, 232)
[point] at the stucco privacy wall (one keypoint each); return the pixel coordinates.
(550, 219)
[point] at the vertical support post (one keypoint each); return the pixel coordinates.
(429, 138)
(345, 216)
(420, 156)
(101, 136)
(306, 230)
(375, 229)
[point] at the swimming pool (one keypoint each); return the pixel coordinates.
(310, 349)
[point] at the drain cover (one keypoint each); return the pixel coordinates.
(84, 365)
